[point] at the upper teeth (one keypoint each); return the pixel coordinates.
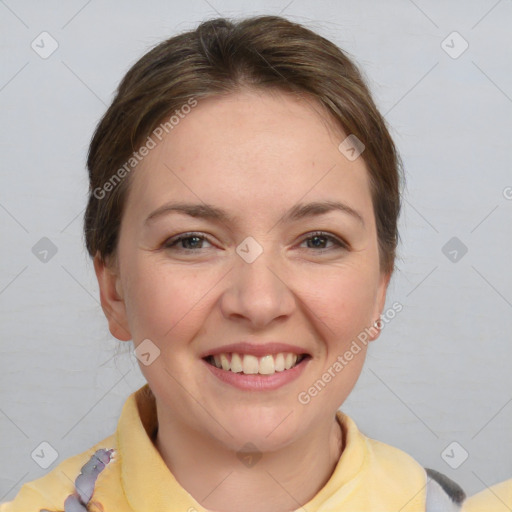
(249, 364)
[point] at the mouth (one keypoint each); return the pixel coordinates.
(249, 364)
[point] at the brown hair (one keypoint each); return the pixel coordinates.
(219, 57)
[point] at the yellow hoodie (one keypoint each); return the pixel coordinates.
(131, 476)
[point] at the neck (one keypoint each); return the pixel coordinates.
(282, 480)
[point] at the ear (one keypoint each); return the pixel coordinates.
(380, 302)
(112, 300)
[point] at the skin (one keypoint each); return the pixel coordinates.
(256, 155)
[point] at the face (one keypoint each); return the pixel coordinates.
(266, 272)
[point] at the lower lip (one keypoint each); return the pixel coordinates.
(258, 382)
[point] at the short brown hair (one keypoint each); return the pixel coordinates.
(219, 57)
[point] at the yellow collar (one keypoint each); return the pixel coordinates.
(149, 485)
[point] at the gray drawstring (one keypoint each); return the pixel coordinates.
(85, 481)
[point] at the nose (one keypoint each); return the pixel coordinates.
(258, 292)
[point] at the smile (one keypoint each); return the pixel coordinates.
(249, 364)
(246, 372)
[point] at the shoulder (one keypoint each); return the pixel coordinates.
(497, 498)
(393, 462)
(386, 474)
(383, 457)
(439, 492)
(51, 490)
(400, 474)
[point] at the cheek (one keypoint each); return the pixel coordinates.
(169, 302)
(344, 306)
(343, 301)
(165, 303)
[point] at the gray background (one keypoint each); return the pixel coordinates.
(440, 372)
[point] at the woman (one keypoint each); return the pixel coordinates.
(242, 220)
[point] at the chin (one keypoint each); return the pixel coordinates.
(267, 428)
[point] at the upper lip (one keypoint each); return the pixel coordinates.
(258, 350)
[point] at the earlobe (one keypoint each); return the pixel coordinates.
(112, 299)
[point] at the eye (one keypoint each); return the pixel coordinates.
(317, 242)
(193, 240)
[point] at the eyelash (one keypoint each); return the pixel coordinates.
(172, 242)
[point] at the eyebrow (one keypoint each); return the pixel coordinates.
(299, 211)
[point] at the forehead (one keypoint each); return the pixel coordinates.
(248, 118)
(244, 144)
